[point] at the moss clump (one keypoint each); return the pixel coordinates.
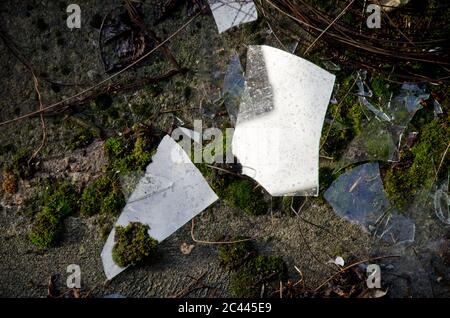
(20, 166)
(241, 194)
(133, 244)
(231, 256)
(105, 195)
(124, 157)
(326, 178)
(247, 281)
(381, 88)
(82, 138)
(283, 204)
(286, 206)
(249, 271)
(114, 147)
(266, 266)
(102, 196)
(348, 116)
(420, 163)
(59, 203)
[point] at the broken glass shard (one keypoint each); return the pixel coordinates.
(359, 197)
(334, 94)
(398, 229)
(437, 108)
(292, 47)
(231, 13)
(233, 86)
(442, 203)
(183, 193)
(381, 139)
(375, 143)
(363, 89)
(330, 66)
(280, 120)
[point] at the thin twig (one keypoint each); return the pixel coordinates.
(43, 126)
(191, 287)
(329, 26)
(212, 242)
(442, 161)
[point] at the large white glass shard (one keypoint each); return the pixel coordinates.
(182, 194)
(280, 121)
(231, 13)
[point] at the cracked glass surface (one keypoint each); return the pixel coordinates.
(381, 138)
(359, 197)
(231, 13)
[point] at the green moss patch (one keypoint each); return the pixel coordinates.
(243, 195)
(247, 281)
(20, 165)
(125, 156)
(419, 163)
(133, 244)
(82, 138)
(103, 196)
(347, 115)
(48, 226)
(231, 256)
(249, 271)
(239, 193)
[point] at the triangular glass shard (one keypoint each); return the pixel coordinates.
(186, 193)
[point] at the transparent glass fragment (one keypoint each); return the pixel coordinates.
(376, 142)
(359, 197)
(231, 13)
(331, 66)
(257, 97)
(292, 47)
(233, 87)
(442, 203)
(381, 137)
(363, 89)
(437, 108)
(178, 195)
(334, 100)
(398, 229)
(210, 73)
(280, 120)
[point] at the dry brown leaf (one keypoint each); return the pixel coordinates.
(186, 249)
